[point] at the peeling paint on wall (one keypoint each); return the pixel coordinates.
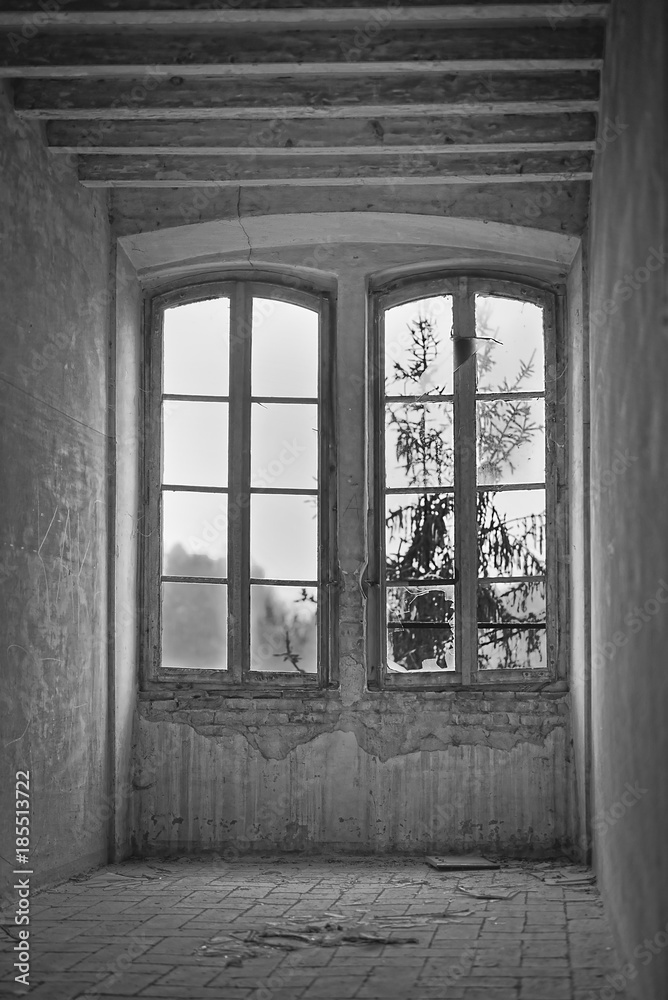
(395, 771)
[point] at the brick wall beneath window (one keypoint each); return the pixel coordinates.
(389, 772)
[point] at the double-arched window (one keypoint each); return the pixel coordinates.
(461, 484)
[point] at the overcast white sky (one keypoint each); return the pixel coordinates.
(284, 436)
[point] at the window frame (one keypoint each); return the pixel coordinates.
(241, 289)
(463, 288)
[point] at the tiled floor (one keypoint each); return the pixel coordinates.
(149, 929)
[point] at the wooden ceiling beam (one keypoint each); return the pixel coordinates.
(455, 15)
(179, 171)
(250, 71)
(410, 95)
(344, 134)
(472, 180)
(36, 7)
(238, 52)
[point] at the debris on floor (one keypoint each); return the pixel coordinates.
(289, 936)
(408, 919)
(422, 919)
(459, 862)
(229, 947)
(551, 875)
(114, 877)
(475, 894)
(571, 880)
(328, 933)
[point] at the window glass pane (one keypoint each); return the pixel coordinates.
(284, 629)
(413, 648)
(194, 534)
(284, 445)
(194, 443)
(420, 536)
(511, 533)
(518, 361)
(420, 604)
(418, 445)
(520, 601)
(196, 348)
(410, 649)
(284, 537)
(511, 441)
(284, 349)
(194, 625)
(418, 347)
(511, 649)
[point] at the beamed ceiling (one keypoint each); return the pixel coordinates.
(255, 93)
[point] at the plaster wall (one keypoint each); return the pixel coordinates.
(54, 262)
(629, 416)
(124, 611)
(577, 375)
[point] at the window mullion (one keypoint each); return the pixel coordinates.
(466, 634)
(152, 462)
(239, 482)
(556, 519)
(377, 565)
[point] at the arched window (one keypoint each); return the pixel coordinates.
(460, 551)
(237, 468)
(465, 467)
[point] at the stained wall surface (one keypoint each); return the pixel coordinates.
(54, 260)
(387, 772)
(629, 485)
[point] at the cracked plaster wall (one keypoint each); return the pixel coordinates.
(55, 290)
(389, 772)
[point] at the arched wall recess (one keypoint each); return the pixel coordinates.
(313, 243)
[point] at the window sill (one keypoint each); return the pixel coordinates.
(277, 686)
(504, 680)
(205, 681)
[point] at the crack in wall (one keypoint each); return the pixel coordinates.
(243, 229)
